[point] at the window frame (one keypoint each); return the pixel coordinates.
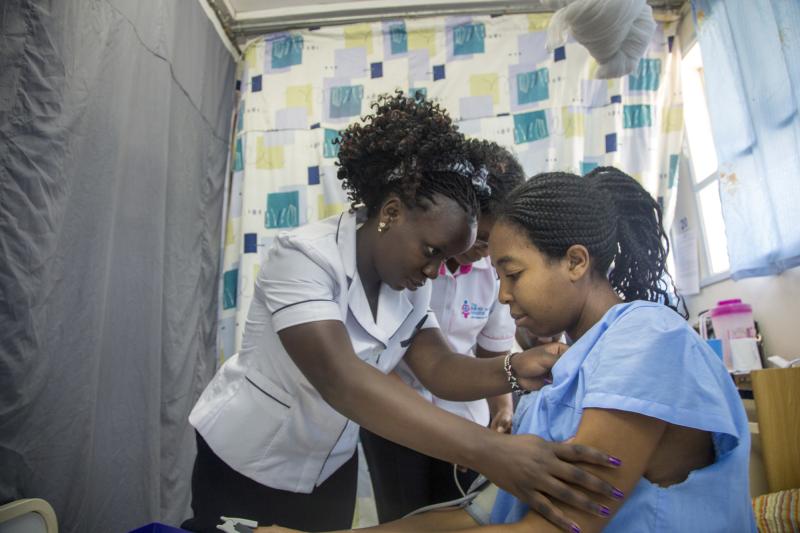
(708, 277)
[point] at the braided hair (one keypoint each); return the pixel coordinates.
(408, 147)
(610, 214)
(503, 172)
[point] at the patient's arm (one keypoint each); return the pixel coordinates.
(631, 437)
(451, 519)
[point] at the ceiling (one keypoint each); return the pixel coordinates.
(244, 19)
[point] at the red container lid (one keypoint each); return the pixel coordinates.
(731, 307)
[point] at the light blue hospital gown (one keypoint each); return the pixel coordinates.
(644, 358)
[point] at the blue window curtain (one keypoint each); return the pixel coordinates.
(751, 58)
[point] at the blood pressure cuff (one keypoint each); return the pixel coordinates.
(480, 507)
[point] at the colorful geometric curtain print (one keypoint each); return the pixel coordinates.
(493, 74)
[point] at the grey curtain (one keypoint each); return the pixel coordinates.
(114, 127)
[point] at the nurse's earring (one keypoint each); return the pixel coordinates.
(382, 226)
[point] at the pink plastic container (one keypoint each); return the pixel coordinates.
(732, 319)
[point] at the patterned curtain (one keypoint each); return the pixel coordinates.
(493, 74)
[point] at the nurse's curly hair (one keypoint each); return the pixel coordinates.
(408, 147)
(609, 213)
(503, 171)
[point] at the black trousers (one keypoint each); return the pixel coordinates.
(219, 490)
(404, 480)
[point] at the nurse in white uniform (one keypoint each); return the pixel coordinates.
(464, 298)
(337, 305)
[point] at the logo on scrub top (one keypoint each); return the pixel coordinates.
(473, 310)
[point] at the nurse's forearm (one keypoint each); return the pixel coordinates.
(461, 378)
(396, 412)
(453, 376)
(386, 406)
(501, 408)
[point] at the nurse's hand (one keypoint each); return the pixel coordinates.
(537, 471)
(501, 420)
(532, 367)
(501, 413)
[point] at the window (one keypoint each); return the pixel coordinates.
(703, 157)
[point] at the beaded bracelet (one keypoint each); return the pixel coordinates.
(511, 376)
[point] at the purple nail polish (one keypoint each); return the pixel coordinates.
(548, 381)
(614, 461)
(604, 511)
(574, 528)
(618, 494)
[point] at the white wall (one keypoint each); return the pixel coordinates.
(776, 307)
